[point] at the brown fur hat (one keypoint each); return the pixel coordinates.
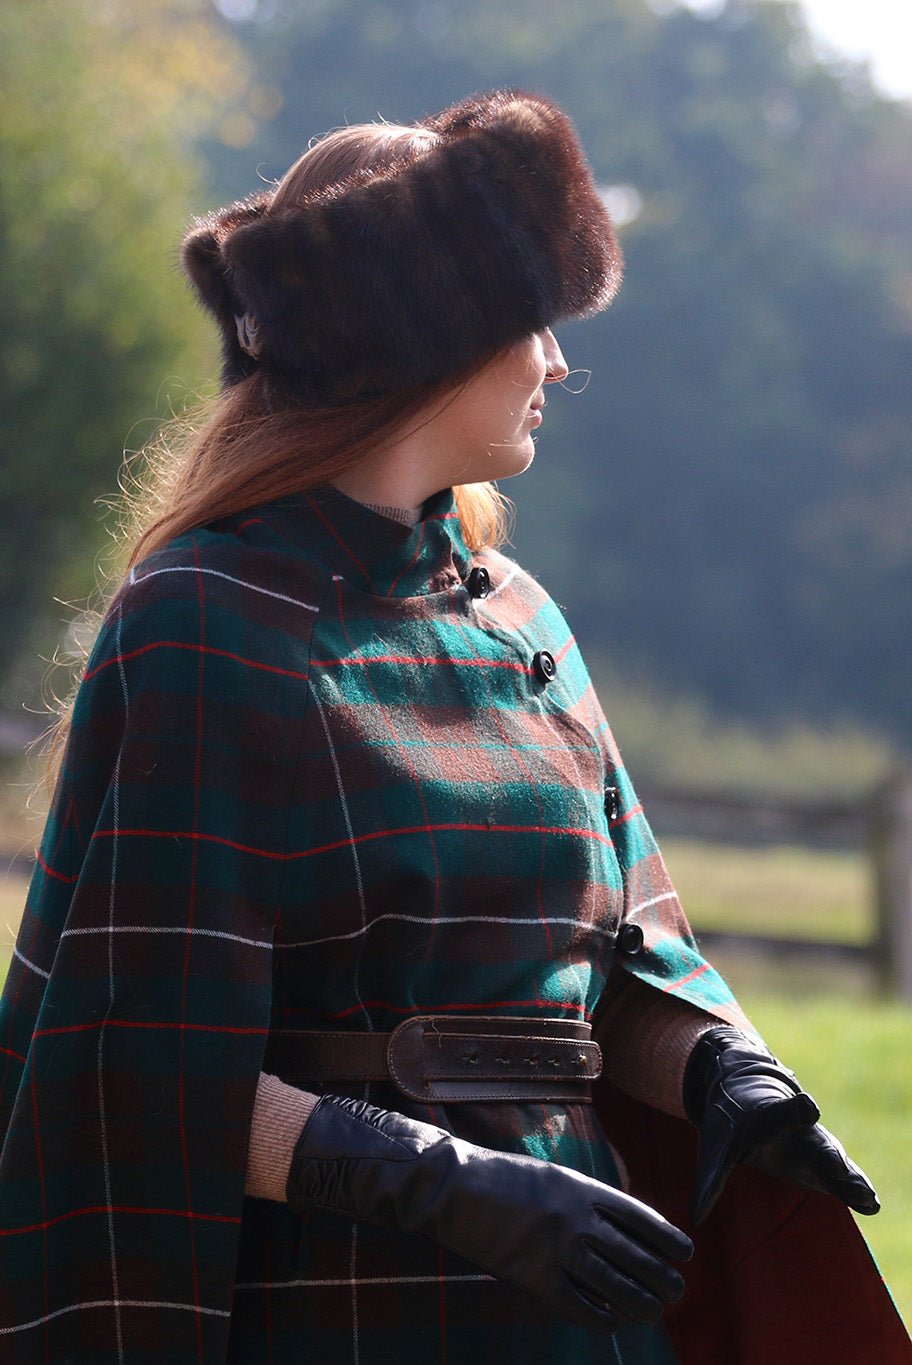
(417, 270)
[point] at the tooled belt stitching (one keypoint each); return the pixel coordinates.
(449, 1058)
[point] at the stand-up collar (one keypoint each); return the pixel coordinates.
(374, 552)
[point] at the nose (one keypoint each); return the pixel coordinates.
(555, 365)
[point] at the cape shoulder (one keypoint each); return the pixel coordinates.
(222, 574)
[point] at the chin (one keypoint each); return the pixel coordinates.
(516, 462)
(522, 463)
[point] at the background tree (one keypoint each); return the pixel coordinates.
(99, 105)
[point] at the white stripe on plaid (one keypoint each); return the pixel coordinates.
(647, 905)
(161, 929)
(504, 582)
(216, 573)
(451, 919)
(31, 966)
(112, 1303)
(366, 1280)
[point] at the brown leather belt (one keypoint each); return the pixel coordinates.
(448, 1058)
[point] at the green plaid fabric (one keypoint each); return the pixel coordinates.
(312, 782)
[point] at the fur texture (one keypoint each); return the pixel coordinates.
(419, 270)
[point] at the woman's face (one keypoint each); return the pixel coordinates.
(485, 430)
(478, 432)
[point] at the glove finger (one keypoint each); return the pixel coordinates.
(607, 1260)
(838, 1173)
(716, 1159)
(856, 1191)
(582, 1304)
(602, 1282)
(816, 1159)
(769, 1122)
(708, 1185)
(646, 1225)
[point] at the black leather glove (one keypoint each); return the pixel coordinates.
(749, 1108)
(589, 1252)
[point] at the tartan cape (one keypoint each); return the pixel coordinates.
(312, 782)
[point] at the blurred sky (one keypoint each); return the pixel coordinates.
(877, 31)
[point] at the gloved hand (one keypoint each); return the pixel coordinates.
(587, 1251)
(749, 1108)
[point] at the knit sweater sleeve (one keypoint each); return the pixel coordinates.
(646, 1037)
(280, 1112)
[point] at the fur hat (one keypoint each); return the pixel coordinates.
(414, 271)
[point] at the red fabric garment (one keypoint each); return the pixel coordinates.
(780, 1275)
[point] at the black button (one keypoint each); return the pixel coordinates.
(612, 803)
(544, 666)
(478, 582)
(630, 939)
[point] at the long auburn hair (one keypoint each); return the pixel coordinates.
(250, 447)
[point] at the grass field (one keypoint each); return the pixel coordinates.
(850, 1049)
(777, 890)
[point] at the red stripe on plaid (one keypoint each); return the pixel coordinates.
(359, 839)
(70, 822)
(422, 661)
(120, 1208)
(683, 980)
(628, 815)
(200, 649)
(450, 1007)
(136, 1023)
(335, 535)
(58, 876)
(410, 563)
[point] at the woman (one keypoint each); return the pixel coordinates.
(343, 862)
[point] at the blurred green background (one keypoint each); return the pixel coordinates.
(725, 511)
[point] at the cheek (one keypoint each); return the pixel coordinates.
(536, 365)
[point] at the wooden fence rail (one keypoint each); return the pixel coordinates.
(879, 822)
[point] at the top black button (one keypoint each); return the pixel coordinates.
(630, 940)
(612, 803)
(543, 666)
(478, 582)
